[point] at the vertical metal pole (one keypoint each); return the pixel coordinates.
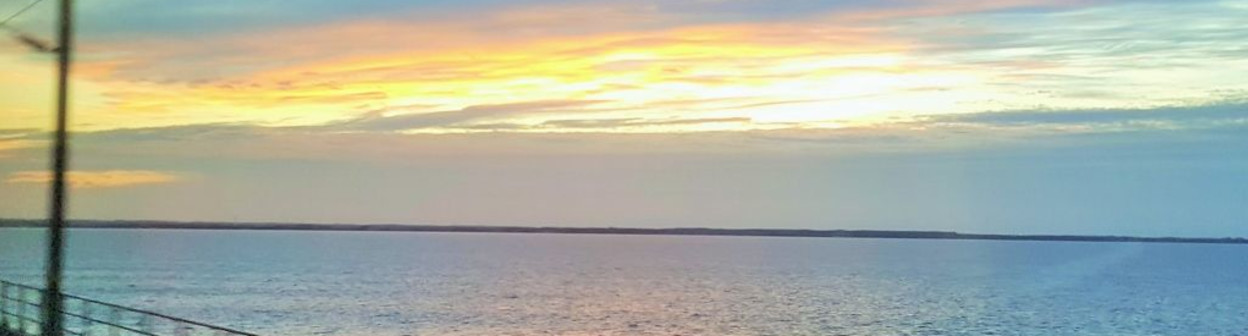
(52, 299)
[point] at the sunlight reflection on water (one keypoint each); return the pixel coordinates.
(322, 283)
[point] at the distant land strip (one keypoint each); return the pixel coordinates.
(102, 224)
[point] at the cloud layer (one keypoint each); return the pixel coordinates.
(1040, 116)
(96, 179)
(818, 65)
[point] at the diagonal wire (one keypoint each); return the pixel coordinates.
(19, 12)
(26, 39)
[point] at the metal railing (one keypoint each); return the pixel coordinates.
(19, 315)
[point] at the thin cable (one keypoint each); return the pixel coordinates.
(19, 12)
(27, 39)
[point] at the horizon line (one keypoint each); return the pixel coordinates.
(670, 231)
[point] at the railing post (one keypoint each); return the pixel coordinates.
(87, 320)
(145, 323)
(4, 305)
(114, 317)
(21, 310)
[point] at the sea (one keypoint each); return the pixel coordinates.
(396, 283)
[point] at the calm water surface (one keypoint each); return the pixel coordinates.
(356, 283)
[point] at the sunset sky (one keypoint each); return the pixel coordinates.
(1017, 116)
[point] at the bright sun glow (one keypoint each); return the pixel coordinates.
(691, 77)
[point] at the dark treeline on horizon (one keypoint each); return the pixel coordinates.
(121, 224)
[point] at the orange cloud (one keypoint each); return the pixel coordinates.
(637, 70)
(639, 60)
(97, 179)
(9, 145)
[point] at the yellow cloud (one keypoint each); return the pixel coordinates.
(638, 74)
(635, 61)
(97, 179)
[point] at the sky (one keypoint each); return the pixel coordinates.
(1017, 116)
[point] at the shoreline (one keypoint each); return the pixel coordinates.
(887, 234)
